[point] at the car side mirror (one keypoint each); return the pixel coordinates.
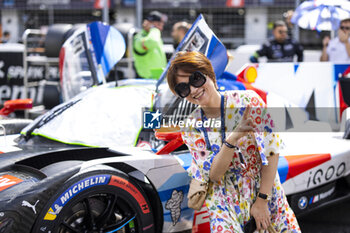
(17, 104)
(174, 138)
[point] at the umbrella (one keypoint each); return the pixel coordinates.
(321, 15)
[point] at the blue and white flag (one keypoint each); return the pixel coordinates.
(108, 47)
(87, 56)
(201, 38)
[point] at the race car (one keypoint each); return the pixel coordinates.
(76, 168)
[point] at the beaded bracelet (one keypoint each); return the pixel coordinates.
(230, 145)
(241, 158)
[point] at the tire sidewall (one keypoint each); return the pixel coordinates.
(105, 182)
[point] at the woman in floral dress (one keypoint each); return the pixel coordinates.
(239, 157)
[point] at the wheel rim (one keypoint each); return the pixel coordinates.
(99, 213)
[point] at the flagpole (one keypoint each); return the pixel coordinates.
(105, 12)
(139, 10)
(296, 28)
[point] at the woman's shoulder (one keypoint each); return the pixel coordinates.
(189, 132)
(196, 113)
(241, 93)
(241, 96)
(190, 119)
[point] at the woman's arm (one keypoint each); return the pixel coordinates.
(221, 162)
(260, 210)
(268, 174)
(223, 159)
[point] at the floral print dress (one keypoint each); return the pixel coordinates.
(229, 201)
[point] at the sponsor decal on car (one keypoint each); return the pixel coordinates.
(201, 221)
(32, 206)
(72, 191)
(321, 196)
(174, 205)
(7, 181)
(327, 174)
(302, 203)
(130, 188)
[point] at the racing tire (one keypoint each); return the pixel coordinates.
(55, 37)
(97, 201)
(51, 95)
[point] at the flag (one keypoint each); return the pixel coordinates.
(99, 4)
(88, 55)
(235, 3)
(201, 38)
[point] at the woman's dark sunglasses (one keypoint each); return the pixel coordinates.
(196, 79)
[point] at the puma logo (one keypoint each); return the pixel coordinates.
(27, 204)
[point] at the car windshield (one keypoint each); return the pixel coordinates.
(101, 116)
(76, 71)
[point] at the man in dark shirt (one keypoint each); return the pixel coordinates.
(280, 48)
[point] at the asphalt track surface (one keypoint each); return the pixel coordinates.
(332, 219)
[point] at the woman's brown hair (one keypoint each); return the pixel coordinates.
(189, 62)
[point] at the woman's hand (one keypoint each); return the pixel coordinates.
(223, 159)
(260, 211)
(244, 127)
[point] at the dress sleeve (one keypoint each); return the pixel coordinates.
(268, 141)
(201, 157)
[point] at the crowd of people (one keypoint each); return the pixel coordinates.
(150, 58)
(283, 48)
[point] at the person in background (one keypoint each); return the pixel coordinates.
(280, 48)
(337, 49)
(6, 37)
(179, 31)
(148, 51)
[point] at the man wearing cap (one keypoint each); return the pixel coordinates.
(148, 51)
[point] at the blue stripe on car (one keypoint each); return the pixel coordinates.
(283, 168)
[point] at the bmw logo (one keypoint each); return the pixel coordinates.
(302, 203)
